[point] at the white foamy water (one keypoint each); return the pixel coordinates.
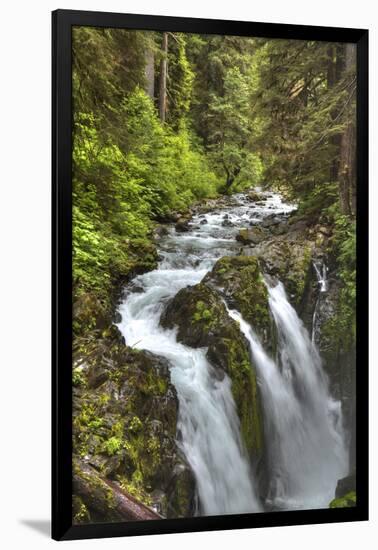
(303, 424)
(305, 450)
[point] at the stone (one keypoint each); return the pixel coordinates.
(182, 225)
(254, 235)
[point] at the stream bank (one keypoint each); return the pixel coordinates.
(226, 244)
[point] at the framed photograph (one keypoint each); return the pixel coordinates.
(210, 193)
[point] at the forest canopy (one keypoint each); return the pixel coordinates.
(162, 120)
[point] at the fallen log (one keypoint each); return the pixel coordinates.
(105, 499)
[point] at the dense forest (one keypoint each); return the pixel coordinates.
(167, 124)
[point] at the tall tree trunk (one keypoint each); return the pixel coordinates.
(150, 73)
(163, 78)
(334, 74)
(347, 165)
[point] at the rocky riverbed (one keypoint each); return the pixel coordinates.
(172, 366)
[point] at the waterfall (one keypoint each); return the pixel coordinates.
(303, 424)
(321, 275)
(208, 425)
(306, 454)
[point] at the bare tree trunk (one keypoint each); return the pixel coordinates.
(347, 164)
(334, 74)
(163, 78)
(150, 73)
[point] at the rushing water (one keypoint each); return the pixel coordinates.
(305, 450)
(303, 424)
(321, 275)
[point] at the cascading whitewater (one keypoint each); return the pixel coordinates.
(208, 423)
(303, 424)
(321, 275)
(305, 449)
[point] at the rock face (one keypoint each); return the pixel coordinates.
(339, 356)
(124, 425)
(289, 259)
(202, 320)
(182, 225)
(240, 280)
(251, 236)
(345, 494)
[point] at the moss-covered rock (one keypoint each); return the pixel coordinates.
(124, 418)
(252, 236)
(289, 258)
(201, 318)
(241, 282)
(98, 499)
(347, 501)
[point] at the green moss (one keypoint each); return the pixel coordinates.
(78, 378)
(135, 425)
(245, 393)
(112, 445)
(80, 512)
(241, 278)
(347, 501)
(202, 313)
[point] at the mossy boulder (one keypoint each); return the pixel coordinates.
(240, 281)
(201, 318)
(347, 501)
(290, 260)
(254, 196)
(124, 421)
(255, 235)
(98, 499)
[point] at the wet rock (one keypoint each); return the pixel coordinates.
(279, 229)
(297, 225)
(289, 259)
(254, 196)
(168, 217)
(125, 417)
(204, 221)
(160, 231)
(242, 285)
(346, 485)
(182, 225)
(270, 221)
(251, 236)
(97, 377)
(181, 501)
(117, 317)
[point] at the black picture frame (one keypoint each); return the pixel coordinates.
(62, 22)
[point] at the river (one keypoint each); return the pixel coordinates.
(302, 423)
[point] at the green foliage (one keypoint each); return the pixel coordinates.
(180, 81)
(135, 425)
(342, 327)
(202, 313)
(241, 111)
(78, 378)
(119, 189)
(347, 501)
(318, 200)
(225, 79)
(112, 446)
(306, 99)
